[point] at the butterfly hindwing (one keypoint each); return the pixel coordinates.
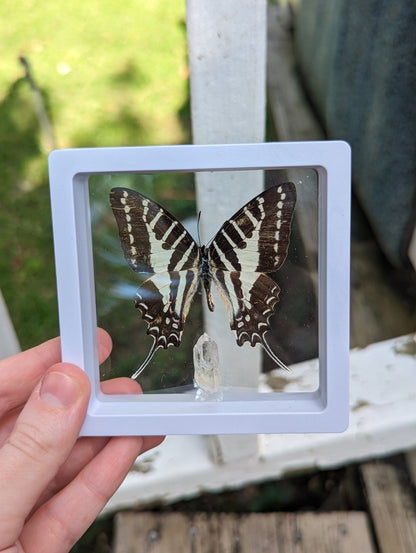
(250, 299)
(256, 238)
(164, 301)
(153, 241)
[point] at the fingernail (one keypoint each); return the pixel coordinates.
(59, 390)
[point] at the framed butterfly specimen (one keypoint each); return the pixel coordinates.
(254, 241)
(237, 262)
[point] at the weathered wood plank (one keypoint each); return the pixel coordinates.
(378, 310)
(292, 114)
(392, 508)
(226, 533)
(258, 533)
(343, 532)
(215, 534)
(293, 117)
(152, 532)
(411, 462)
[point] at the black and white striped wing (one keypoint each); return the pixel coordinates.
(256, 238)
(253, 242)
(250, 299)
(155, 242)
(164, 301)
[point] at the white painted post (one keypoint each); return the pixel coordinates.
(227, 57)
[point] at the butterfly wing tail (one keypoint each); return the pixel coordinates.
(273, 356)
(151, 353)
(164, 301)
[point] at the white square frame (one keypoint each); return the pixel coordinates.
(323, 410)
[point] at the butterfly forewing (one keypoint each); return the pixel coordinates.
(153, 241)
(256, 238)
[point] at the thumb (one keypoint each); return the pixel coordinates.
(41, 440)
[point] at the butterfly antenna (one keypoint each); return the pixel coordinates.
(197, 227)
(151, 353)
(273, 356)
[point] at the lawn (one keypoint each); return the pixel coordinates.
(110, 74)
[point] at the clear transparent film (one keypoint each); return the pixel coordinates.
(208, 362)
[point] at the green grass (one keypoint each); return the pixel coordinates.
(111, 74)
(111, 69)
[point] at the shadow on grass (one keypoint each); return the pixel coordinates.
(26, 257)
(26, 246)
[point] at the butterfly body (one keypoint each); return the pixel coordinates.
(252, 242)
(205, 275)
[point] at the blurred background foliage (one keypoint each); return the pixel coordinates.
(105, 73)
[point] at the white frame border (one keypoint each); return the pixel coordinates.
(324, 410)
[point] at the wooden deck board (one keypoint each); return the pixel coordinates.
(392, 508)
(340, 531)
(257, 533)
(148, 532)
(391, 513)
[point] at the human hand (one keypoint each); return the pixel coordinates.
(52, 483)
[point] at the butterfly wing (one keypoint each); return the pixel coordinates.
(253, 242)
(155, 242)
(250, 299)
(256, 238)
(152, 239)
(164, 301)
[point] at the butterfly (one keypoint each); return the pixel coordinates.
(254, 241)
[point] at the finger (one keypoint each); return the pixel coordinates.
(149, 442)
(7, 424)
(121, 385)
(84, 451)
(128, 386)
(60, 522)
(39, 444)
(86, 448)
(20, 373)
(105, 345)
